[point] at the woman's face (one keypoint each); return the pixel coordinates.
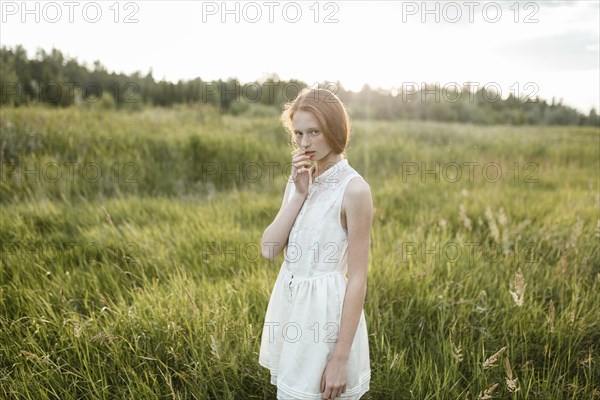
(308, 136)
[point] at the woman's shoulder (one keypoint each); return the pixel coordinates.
(351, 173)
(357, 198)
(357, 186)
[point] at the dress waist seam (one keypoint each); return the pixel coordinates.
(294, 279)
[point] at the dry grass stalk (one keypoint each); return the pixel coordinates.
(103, 338)
(511, 384)
(462, 214)
(520, 285)
(103, 299)
(487, 393)
(502, 220)
(35, 357)
(587, 362)
(107, 217)
(456, 351)
(76, 328)
(196, 309)
(30, 355)
(443, 224)
(214, 347)
(550, 316)
(491, 362)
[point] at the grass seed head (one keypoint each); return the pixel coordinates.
(491, 362)
(487, 393)
(519, 292)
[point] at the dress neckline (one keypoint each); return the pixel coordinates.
(334, 168)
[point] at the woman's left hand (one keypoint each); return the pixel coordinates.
(333, 380)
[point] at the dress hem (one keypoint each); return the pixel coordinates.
(282, 389)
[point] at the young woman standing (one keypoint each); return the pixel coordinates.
(314, 339)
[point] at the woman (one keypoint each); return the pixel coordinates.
(314, 339)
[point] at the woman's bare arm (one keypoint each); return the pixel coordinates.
(275, 237)
(359, 216)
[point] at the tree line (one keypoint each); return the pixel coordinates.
(52, 79)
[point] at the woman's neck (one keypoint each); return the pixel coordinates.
(325, 164)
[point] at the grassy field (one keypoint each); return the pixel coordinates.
(131, 267)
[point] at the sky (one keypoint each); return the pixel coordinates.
(527, 48)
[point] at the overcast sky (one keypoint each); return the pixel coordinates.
(548, 48)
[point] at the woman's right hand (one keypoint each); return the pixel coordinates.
(300, 171)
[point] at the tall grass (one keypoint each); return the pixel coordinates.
(153, 287)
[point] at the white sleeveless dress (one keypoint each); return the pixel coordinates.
(303, 316)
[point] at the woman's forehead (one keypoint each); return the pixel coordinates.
(304, 120)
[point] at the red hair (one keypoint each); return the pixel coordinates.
(327, 109)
